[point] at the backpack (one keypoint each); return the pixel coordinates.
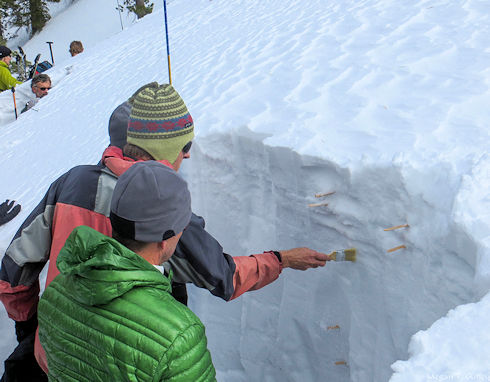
(43, 66)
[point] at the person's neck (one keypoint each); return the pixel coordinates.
(150, 254)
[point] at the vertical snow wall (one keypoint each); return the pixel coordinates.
(343, 322)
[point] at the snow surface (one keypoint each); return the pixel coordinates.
(384, 102)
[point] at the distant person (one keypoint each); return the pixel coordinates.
(110, 310)
(76, 47)
(8, 211)
(7, 81)
(40, 85)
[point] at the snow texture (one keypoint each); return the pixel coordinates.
(383, 102)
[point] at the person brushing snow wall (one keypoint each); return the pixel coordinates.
(159, 128)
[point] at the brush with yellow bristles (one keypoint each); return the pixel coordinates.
(344, 255)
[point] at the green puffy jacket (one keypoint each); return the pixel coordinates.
(109, 317)
(7, 81)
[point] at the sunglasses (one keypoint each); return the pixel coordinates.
(44, 89)
(187, 147)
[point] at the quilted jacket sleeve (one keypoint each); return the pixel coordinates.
(188, 358)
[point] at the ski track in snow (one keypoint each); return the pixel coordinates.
(385, 103)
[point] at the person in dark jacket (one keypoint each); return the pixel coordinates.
(110, 310)
(159, 128)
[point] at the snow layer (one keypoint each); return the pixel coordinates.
(384, 102)
(288, 331)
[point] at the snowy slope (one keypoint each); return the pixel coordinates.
(381, 101)
(89, 21)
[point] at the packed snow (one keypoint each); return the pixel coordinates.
(383, 102)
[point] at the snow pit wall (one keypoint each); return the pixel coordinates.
(346, 321)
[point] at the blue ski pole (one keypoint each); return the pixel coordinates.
(166, 35)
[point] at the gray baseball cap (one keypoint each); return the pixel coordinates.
(150, 203)
(118, 125)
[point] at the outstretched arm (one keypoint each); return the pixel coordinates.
(256, 271)
(199, 259)
(303, 258)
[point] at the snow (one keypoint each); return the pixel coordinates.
(464, 366)
(384, 102)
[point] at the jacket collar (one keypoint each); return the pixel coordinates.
(115, 161)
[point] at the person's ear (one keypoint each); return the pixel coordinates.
(162, 250)
(162, 245)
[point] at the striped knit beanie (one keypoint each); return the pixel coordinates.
(159, 122)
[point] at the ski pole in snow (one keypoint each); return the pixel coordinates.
(50, 50)
(33, 68)
(15, 103)
(166, 36)
(24, 65)
(119, 10)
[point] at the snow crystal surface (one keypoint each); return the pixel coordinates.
(383, 102)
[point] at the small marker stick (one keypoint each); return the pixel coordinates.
(341, 363)
(396, 248)
(333, 327)
(396, 227)
(325, 194)
(317, 204)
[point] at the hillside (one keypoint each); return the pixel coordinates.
(383, 103)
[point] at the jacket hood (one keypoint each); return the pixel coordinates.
(115, 160)
(96, 269)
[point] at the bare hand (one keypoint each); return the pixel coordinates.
(303, 258)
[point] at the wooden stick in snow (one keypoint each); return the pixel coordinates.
(317, 204)
(396, 248)
(325, 194)
(396, 227)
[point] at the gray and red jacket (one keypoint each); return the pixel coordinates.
(82, 196)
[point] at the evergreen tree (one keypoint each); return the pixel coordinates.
(5, 11)
(31, 14)
(2, 38)
(140, 7)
